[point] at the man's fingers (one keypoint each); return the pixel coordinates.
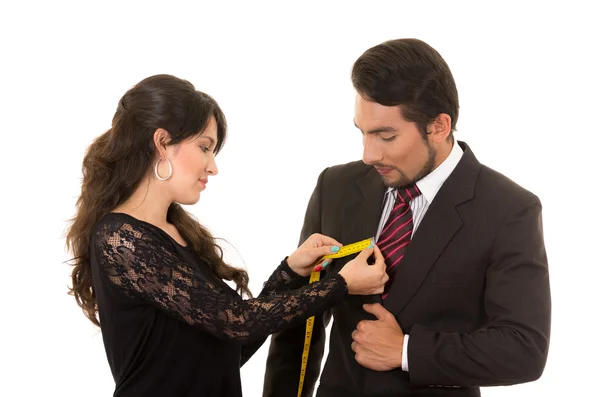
(375, 308)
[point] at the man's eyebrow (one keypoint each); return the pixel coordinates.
(378, 129)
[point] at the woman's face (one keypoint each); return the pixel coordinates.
(193, 160)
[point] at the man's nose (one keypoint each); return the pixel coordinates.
(371, 154)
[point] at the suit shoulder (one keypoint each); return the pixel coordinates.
(348, 171)
(496, 183)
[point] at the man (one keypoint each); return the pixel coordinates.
(468, 301)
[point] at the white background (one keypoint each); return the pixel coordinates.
(527, 75)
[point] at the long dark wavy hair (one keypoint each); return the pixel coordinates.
(116, 163)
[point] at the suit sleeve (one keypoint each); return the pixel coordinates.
(282, 375)
(513, 347)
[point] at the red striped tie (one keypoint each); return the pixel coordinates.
(397, 232)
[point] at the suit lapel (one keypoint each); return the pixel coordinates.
(438, 226)
(361, 217)
(436, 230)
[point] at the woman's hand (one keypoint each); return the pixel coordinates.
(365, 279)
(317, 245)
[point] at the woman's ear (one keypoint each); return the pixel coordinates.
(161, 140)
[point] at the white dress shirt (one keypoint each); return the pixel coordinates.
(429, 186)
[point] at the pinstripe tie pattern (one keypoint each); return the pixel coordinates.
(397, 232)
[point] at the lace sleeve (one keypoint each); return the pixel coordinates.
(139, 263)
(283, 279)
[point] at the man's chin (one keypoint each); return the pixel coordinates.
(396, 182)
(390, 181)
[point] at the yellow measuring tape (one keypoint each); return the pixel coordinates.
(344, 251)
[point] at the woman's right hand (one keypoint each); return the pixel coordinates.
(362, 278)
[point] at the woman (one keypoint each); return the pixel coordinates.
(152, 277)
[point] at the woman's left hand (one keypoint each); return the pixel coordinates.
(316, 246)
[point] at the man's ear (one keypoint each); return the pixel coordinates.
(161, 140)
(439, 129)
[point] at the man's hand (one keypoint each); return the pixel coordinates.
(378, 343)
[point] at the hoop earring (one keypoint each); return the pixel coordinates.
(156, 170)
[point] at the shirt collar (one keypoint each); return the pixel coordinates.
(432, 182)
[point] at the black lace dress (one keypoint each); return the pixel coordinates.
(171, 327)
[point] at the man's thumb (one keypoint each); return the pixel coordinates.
(376, 309)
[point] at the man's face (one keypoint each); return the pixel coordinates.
(394, 146)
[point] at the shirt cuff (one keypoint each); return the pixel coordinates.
(405, 354)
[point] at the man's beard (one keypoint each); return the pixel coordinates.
(403, 180)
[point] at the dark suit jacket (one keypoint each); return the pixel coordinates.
(472, 290)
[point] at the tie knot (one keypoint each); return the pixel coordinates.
(408, 192)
